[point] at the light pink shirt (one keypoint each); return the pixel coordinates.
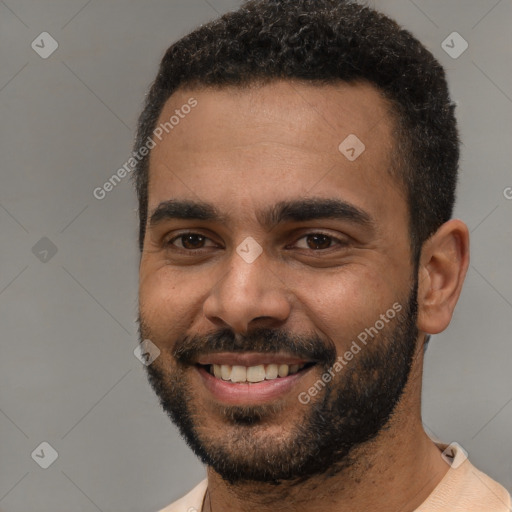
(463, 489)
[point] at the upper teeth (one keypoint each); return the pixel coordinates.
(257, 373)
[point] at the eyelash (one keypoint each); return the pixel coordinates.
(169, 243)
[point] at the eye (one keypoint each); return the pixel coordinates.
(319, 241)
(188, 241)
(316, 241)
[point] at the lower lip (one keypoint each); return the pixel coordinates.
(244, 392)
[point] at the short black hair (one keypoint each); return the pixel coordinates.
(326, 42)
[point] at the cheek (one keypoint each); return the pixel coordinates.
(166, 303)
(344, 303)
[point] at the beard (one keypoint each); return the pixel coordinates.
(350, 410)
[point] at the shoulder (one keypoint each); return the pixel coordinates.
(191, 502)
(464, 488)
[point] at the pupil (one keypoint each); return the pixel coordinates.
(188, 241)
(317, 240)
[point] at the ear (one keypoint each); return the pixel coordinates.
(443, 265)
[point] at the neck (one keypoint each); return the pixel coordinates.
(395, 471)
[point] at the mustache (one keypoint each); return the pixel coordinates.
(311, 347)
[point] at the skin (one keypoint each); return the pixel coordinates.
(246, 149)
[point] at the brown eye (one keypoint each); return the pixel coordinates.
(188, 241)
(318, 241)
(192, 241)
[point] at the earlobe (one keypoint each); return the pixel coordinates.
(443, 265)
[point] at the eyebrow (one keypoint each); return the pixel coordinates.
(300, 210)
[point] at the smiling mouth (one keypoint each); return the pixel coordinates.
(253, 374)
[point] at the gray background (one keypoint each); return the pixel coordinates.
(68, 375)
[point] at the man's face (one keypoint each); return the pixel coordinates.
(325, 273)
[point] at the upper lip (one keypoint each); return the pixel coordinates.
(249, 358)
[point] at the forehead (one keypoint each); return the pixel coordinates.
(287, 110)
(272, 140)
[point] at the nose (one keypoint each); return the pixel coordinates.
(248, 295)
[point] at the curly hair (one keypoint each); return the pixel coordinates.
(325, 42)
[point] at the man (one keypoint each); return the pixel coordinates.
(297, 250)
